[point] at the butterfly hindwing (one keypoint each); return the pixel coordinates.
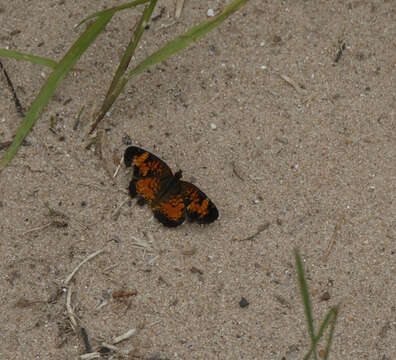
(199, 207)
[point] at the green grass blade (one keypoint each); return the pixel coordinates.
(186, 39)
(129, 52)
(131, 48)
(330, 318)
(113, 10)
(27, 57)
(305, 294)
(170, 49)
(332, 328)
(55, 78)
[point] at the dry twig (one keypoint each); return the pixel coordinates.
(125, 336)
(70, 312)
(179, 8)
(333, 239)
(82, 263)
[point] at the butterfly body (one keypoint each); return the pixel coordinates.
(171, 199)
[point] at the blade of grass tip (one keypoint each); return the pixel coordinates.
(173, 47)
(55, 78)
(126, 58)
(305, 294)
(114, 9)
(27, 57)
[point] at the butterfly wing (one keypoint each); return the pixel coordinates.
(149, 173)
(170, 209)
(198, 206)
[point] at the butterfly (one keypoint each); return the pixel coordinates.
(171, 199)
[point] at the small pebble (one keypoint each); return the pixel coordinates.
(126, 140)
(210, 12)
(243, 303)
(213, 126)
(325, 296)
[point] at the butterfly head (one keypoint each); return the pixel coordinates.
(178, 174)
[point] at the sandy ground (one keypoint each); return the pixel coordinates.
(284, 116)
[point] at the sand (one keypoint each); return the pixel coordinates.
(284, 116)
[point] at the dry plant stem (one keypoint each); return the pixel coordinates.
(142, 244)
(69, 309)
(82, 263)
(93, 355)
(333, 239)
(38, 228)
(118, 167)
(179, 8)
(111, 347)
(117, 211)
(292, 83)
(125, 336)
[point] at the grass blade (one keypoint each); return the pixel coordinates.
(305, 294)
(113, 10)
(55, 78)
(332, 328)
(330, 318)
(27, 57)
(186, 39)
(174, 46)
(126, 58)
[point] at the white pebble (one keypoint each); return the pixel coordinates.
(213, 126)
(210, 12)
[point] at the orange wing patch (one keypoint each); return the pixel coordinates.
(170, 212)
(145, 166)
(148, 188)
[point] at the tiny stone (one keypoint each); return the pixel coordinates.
(263, 67)
(243, 303)
(126, 140)
(325, 296)
(277, 39)
(262, 43)
(213, 126)
(210, 12)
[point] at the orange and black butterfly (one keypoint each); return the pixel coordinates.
(171, 199)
